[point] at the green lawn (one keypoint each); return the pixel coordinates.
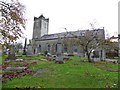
(0, 59)
(72, 74)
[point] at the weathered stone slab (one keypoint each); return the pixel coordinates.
(112, 60)
(11, 55)
(59, 58)
(41, 72)
(14, 69)
(19, 60)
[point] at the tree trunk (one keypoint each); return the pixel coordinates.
(89, 59)
(88, 56)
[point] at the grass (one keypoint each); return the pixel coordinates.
(72, 74)
(30, 57)
(0, 59)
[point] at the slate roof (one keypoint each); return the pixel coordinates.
(69, 34)
(62, 35)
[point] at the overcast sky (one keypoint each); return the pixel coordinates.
(73, 14)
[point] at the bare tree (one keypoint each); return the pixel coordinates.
(89, 40)
(70, 41)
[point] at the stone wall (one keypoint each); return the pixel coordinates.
(50, 46)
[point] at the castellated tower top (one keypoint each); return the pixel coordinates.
(41, 26)
(41, 17)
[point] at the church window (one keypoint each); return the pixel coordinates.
(48, 48)
(75, 50)
(37, 24)
(40, 48)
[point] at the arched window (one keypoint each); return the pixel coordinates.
(56, 48)
(39, 48)
(48, 48)
(53, 48)
(75, 48)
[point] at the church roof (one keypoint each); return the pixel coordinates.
(65, 34)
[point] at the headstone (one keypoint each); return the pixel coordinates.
(59, 58)
(24, 49)
(103, 55)
(14, 69)
(11, 54)
(29, 50)
(41, 72)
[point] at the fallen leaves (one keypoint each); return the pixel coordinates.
(10, 76)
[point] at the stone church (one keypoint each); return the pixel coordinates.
(42, 41)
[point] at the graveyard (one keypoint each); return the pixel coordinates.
(85, 57)
(42, 72)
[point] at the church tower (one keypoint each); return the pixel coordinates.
(41, 26)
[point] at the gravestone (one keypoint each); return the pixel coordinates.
(24, 49)
(14, 69)
(11, 54)
(103, 55)
(29, 50)
(59, 58)
(42, 72)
